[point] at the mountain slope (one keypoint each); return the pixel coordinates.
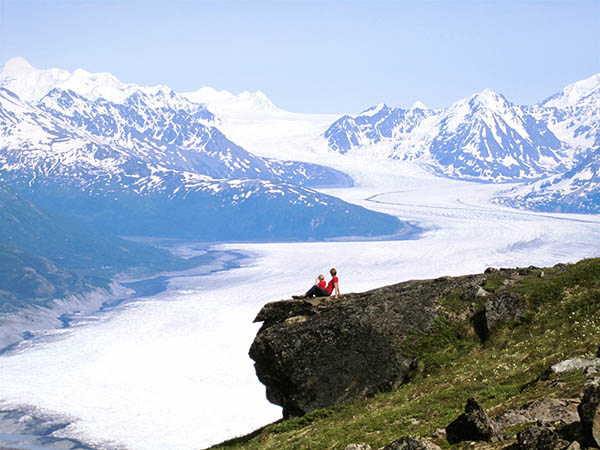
(135, 169)
(179, 139)
(573, 114)
(483, 137)
(44, 256)
(68, 243)
(486, 137)
(576, 191)
(508, 373)
(375, 125)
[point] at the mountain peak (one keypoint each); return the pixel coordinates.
(418, 105)
(487, 95)
(17, 66)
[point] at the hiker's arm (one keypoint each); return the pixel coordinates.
(337, 289)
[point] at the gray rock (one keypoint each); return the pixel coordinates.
(474, 292)
(473, 425)
(357, 447)
(589, 413)
(411, 443)
(503, 307)
(588, 365)
(342, 349)
(545, 410)
(538, 437)
(316, 354)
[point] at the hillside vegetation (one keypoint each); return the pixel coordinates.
(455, 361)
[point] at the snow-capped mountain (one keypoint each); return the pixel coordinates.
(376, 124)
(488, 138)
(145, 167)
(573, 114)
(578, 190)
(31, 84)
(176, 139)
(225, 104)
(483, 137)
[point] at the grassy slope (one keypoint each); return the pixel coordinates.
(453, 364)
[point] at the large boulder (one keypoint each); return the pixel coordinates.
(311, 356)
(473, 425)
(539, 437)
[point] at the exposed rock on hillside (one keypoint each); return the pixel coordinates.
(472, 425)
(314, 354)
(411, 443)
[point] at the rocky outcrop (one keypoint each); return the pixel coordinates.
(313, 354)
(544, 410)
(411, 443)
(316, 353)
(504, 307)
(540, 437)
(473, 425)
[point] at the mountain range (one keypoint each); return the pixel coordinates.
(134, 160)
(484, 137)
(148, 161)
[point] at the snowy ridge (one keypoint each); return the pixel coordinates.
(378, 124)
(487, 137)
(31, 84)
(578, 190)
(573, 114)
(69, 135)
(483, 137)
(224, 103)
(133, 168)
(574, 94)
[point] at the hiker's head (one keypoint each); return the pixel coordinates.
(321, 277)
(333, 272)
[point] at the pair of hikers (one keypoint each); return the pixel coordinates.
(323, 289)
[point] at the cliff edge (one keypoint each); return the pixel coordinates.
(312, 354)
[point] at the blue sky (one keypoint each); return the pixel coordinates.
(317, 56)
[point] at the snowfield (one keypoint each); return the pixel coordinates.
(172, 371)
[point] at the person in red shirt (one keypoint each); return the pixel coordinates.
(333, 284)
(322, 290)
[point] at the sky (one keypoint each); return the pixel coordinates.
(317, 56)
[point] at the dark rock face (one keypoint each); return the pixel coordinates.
(473, 425)
(316, 354)
(589, 412)
(538, 437)
(503, 307)
(411, 443)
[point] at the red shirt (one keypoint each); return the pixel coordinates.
(329, 287)
(322, 284)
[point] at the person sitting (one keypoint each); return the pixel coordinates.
(322, 290)
(333, 284)
(320, 281)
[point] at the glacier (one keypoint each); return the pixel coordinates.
(172, 371)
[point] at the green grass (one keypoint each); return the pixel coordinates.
(453, 364)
